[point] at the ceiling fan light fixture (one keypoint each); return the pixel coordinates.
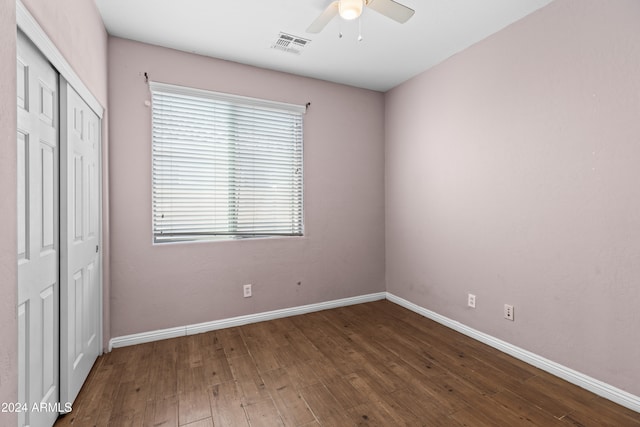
(350, 9)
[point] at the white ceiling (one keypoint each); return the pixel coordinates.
(244, 31)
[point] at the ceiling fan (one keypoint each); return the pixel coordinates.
(352, 9)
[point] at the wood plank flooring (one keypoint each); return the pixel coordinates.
(374, 364)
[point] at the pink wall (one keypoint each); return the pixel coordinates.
(8, 220)
(342, 254)
(76, 29)
(512, 172)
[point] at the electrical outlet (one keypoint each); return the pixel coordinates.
(471, 300)
(246, 291)
(508, 312)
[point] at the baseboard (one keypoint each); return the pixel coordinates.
(161, 334)
(598, 387)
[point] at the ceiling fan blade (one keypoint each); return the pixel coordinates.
(321, 21)
(391, 9)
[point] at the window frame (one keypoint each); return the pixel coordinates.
(296, 195)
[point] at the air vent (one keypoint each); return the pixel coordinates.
(290, 43)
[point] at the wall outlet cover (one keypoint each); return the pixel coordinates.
(508, 312)
(246, 291)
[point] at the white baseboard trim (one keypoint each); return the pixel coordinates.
(198, 328)
(598, 387)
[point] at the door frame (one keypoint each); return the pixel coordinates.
(36, 34)
(32, 30)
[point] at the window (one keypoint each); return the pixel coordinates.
(224, 166)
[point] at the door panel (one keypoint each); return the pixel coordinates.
(80, 265)
(23, 197)
(38, 255)
(49, 193)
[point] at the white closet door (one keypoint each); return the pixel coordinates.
(80, 290)
(37, 173)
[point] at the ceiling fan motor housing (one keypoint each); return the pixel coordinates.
(350, 9)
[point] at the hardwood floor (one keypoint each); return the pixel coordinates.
(370, 364)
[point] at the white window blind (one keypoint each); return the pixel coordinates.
(224, 166)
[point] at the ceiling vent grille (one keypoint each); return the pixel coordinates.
(290, 43)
